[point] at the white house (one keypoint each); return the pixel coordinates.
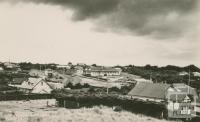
(197, 74)
(10, 65)
(34, 85)
(1, 68)
(183, 73)
(63, 67)
(102, 71)
(56, 85)
(48, 72)
(79, 70)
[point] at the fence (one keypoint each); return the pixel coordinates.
(138, 107)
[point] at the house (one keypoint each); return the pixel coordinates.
(102, 71)
(1, 69)
(36, 73)
(18, 81)
(56, 85)
(143, 80)
(9, 65)
(179, 99)
(196, 74)
(183, 73)
(48, 73)
(79, 70)
(63, 67)
(34, 85)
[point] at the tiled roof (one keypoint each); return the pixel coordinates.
(180, 97)
(18, 80)
(149, 90)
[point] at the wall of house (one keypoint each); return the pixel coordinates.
(180, 110)
(56, 85)
(104, 73)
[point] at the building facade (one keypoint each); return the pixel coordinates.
(102, 71)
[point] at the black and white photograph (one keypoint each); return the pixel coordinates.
(99, 60)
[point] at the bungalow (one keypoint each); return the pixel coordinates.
(179, 99)
(183, 73)
(63, 67)
(48, 73)
(102, 71)
(196, 74)
(79, 70)
(1, 69)
(34, 85)
(18, 81)
(9, 65)
(56, 85)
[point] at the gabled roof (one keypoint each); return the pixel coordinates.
(181, 87)
(18, 80)
(149, 90)
(180, 97)
(31, 83)
(103, 69)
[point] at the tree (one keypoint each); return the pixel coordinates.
(94, 65)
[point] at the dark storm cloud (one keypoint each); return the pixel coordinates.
(157, 18)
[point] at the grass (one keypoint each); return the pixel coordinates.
(36, 111)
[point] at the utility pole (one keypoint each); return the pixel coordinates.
(150, 77)
(189, 81)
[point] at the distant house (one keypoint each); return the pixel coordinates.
(183, 73)
(196, 74)
(143, 80)
(56, 85)
(9, 65)
(1, 69)
(63, 67)
(34, 85)
(102, 71)
(48, 72)
(79, 70)
(36, 73)
(18, 81)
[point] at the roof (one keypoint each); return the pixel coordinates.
(1, 68)
(31, 83)
(103, 69)
(181, 87)
(180, 97)
(18, 80)
(149, 90)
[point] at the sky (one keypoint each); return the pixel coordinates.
(104, 32)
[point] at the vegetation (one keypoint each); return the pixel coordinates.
(29, 66)
(168, 74)
(77, 86)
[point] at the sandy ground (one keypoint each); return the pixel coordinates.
(37, 111)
